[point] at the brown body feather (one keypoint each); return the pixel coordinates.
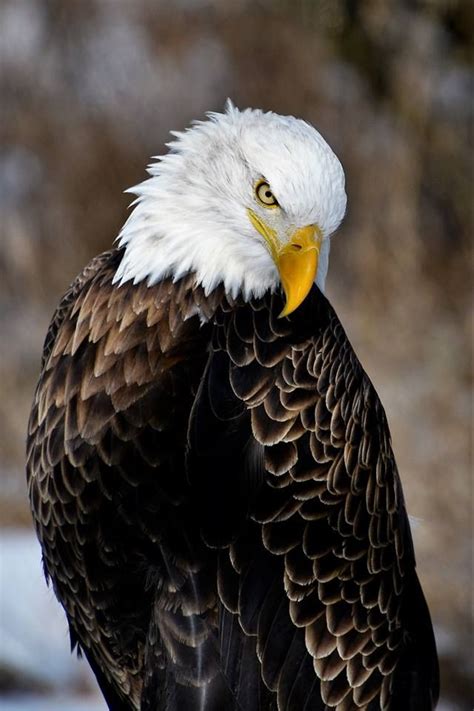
(219, 507)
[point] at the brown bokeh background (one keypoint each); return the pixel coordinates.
(90, 89)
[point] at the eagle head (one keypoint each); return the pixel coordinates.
(246, 199)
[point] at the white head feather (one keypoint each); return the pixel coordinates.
(191, 215)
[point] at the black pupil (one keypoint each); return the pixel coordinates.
(268, 194)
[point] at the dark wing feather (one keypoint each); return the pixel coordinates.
(317, 560)
(271, 569)
(108, 489)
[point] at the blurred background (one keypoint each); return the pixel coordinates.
(90, 90)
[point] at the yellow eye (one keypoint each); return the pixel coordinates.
(265, 195)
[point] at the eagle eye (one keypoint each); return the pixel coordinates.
(264, 194)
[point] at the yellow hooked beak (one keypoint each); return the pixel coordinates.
(296, 261)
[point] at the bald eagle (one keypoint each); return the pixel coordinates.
(209, 467)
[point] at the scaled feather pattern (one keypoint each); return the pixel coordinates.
(218, 503)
